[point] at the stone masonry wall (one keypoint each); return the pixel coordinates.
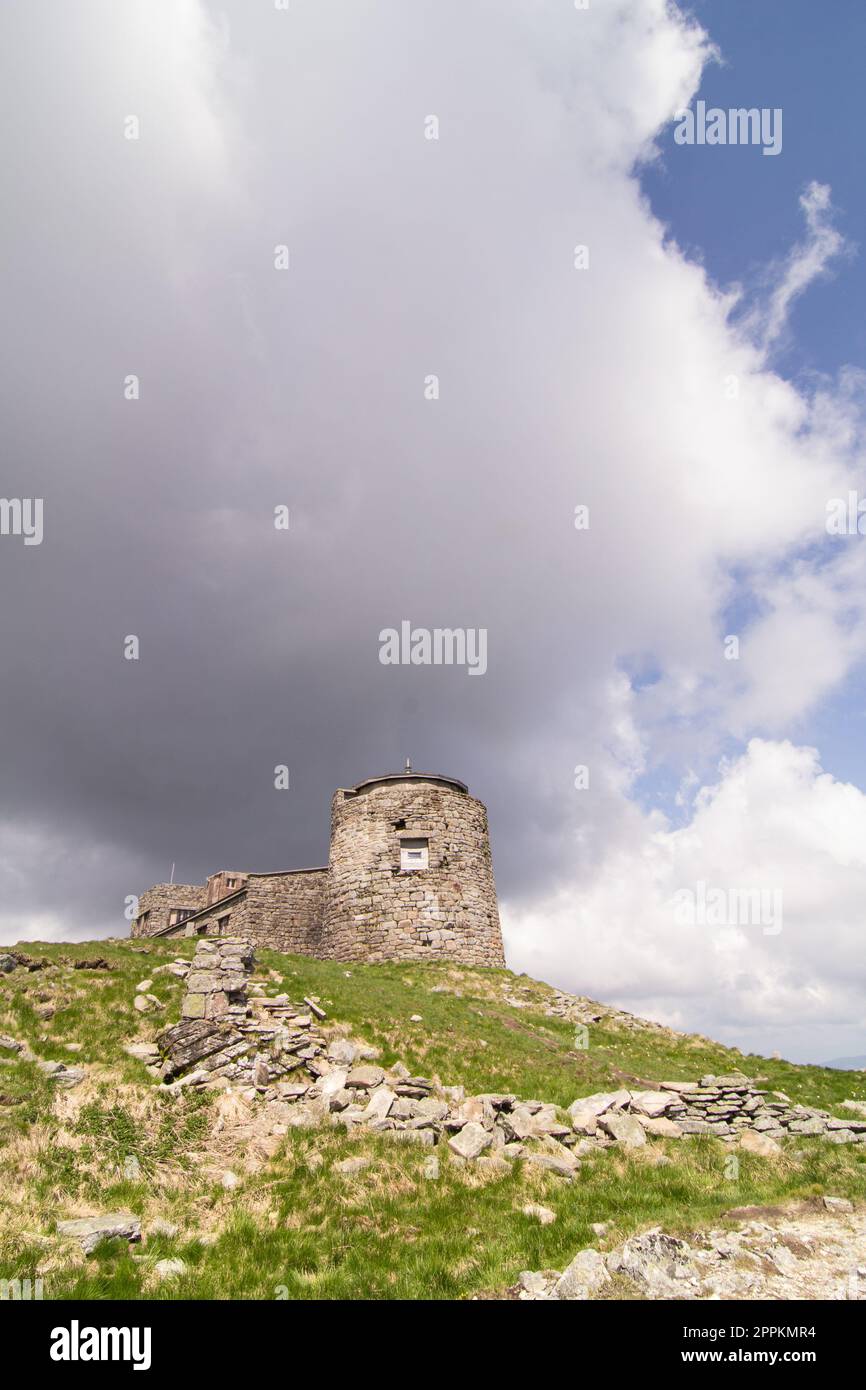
(285, 911)
(227, 918)
(376, 912)
(216, 986)
(159, 901)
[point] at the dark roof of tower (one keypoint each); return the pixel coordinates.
(411, 776)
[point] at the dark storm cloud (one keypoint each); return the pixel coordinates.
(260, 387)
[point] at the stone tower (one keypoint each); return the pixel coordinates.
(410, 875)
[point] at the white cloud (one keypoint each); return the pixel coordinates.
(774, 821)
(805, 264)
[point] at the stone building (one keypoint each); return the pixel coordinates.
(409, 877)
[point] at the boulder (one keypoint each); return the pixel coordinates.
(756, 1143)
(350, 1166)
(600, 1102)
(651, 1258)
(163, 1228)
(381, 1101)
(365, 1078)
(662, 1128)
(470, 1141)
(555, 1165)
(583, 1277)
(838, 1204)
(89, 1231)
(651, 1103)
(543, 1215)
(625, 1129)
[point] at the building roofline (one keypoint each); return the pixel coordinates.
(406, 777)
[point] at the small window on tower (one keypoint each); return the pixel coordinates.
(413, 854)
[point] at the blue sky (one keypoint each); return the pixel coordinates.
(736, 211)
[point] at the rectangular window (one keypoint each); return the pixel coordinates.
(414, 855)
(223, 923)
(179, 914)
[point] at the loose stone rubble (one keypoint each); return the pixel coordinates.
(232, 1036)
(810, 1251)
(228, 1038)
(58, 1071)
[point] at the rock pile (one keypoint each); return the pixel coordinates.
(811, 1250)
(722, 1106)
(13, 960)
(222, 1037)
(227, 1039)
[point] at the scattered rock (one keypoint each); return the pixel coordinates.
(838, 1204)
(169, 1269)
(350, 1166)
(365, 1078)
(470, 1141)
(586, 1274)
(651, 1257)
(163, 1228)
(543, 1215)
(754, 1142)
(625, 1129)
(89, 1231)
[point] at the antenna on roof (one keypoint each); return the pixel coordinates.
(408, 767)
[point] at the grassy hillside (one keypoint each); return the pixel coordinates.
(294, 1226)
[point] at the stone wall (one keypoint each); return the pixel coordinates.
(216, 986)
(159, 901)
(375, 911)
(284, 911)
(223, 1038)
(228, 918)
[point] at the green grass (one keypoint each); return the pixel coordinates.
(295, 1228)
(388, 1233)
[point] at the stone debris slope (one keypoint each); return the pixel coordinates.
(814, 1251)
(271, 1047)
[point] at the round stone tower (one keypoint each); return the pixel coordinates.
(410, 873)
